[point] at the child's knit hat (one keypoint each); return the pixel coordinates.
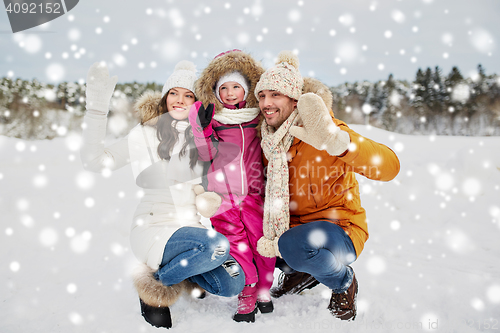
(284, 77)
(184, 76)
(232, 77)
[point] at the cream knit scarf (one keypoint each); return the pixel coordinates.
(275, 144)
(236, 116)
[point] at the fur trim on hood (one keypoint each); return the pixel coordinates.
(227, 63)
(146, 106)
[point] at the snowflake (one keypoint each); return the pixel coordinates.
(71, 288)
(460, 93)
(242, 247)
(85, 180)
(75, 318)
(493, 294)
(482, 40)
(395, 225)
(317, 238)
(398, 16)
(14, 266)
(444, 181)
(80, 244)
(376, 265)
(48, 237)
(471, 187)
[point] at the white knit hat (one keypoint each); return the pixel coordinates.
(284, 77)
(184, 76)
(232, 77)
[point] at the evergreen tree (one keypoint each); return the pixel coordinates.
(423, 98)
(455, 108)
(394, 105)
(477, 114)
(437, 115)
(388, 115)
(454, 77)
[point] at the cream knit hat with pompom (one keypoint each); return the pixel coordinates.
(284, 77)
(184, 76)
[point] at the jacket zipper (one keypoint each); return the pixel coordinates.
(241, 159)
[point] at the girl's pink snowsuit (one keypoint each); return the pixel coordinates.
(237, 175)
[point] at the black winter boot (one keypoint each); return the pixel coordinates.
(156, 316)
(155, 297)
(265, 307)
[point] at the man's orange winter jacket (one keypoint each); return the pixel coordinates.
(324, 187)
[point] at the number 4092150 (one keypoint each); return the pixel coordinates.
(491, 324)
(33, 8)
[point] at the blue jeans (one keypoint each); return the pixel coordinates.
(322, 249)
(202, 256)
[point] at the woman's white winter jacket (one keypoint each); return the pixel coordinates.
(169, 200)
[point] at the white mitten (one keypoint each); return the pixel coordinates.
(319, 129)
(99, 89)
(207, 203)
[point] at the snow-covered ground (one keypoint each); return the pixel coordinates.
(431, 263)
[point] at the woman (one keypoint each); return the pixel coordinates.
(166, 236)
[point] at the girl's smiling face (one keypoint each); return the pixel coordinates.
(231, 93)
(179, 101)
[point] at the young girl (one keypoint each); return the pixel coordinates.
(230, 141)
(166, 235)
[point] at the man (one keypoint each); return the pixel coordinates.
(313, 217)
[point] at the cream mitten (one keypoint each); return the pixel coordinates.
(207, 203)
(99, 89)
(268, 248)
(198, 189)
(319, 129)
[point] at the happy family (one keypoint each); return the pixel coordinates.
(260, 153)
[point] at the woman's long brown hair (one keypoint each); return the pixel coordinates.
(168, 136)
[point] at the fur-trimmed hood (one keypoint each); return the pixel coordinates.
(146, 106)
(221, 65)
(315, 86)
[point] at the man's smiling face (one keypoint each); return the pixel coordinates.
(276, 107)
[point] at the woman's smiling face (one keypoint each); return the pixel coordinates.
(179, 100)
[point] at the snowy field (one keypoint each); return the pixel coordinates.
(431, 263)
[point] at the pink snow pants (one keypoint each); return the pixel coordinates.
(242, 225)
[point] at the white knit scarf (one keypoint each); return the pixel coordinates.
(275, 144)
(236, 116)
(180, 125)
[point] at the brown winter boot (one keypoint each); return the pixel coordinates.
(343, 305)
(293, 283)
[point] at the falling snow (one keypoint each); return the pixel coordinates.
(376, 265)
(493, 294)
(482, 40)
(317, 238)
(82, 237)
(433, 230)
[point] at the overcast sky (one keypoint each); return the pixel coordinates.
(337, 41)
